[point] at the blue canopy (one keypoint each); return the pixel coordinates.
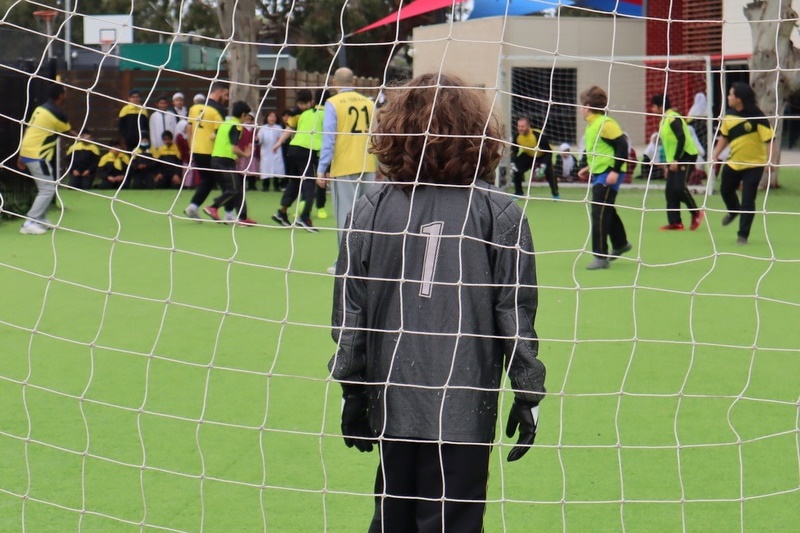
(632, 8)
(494, 8)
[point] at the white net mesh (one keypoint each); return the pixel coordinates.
(159, 374)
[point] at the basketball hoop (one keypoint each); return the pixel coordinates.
(106, 45)
(107, 37)
(47, 16)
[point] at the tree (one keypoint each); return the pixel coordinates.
(774, 64)
(237, 19)
(312, 31)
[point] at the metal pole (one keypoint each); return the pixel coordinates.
(49, 26)
(68, 34)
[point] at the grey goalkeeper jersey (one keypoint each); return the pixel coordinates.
(435, 295)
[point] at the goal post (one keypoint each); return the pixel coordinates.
(546, 88)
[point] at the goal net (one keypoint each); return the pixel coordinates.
(160, 372)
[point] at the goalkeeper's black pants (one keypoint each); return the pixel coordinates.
(412, 479)
(523, 163)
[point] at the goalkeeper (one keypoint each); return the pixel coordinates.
(435, 294)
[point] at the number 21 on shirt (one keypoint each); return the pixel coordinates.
(359, 119)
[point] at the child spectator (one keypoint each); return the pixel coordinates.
(566, 168)
(169, 168)
(112, 167)
(143, 166)
(182, 142)
(649, 168)
(85, 157)
(271, 163)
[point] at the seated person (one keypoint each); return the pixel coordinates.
(566, 168)
(169, 169)
(112, 167)
(652, 155)
(83, 157)
(143, 166)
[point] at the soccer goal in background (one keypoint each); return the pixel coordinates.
(160, 374)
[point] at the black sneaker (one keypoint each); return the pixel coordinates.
(305, 223)
(727, 219)
(281, 218)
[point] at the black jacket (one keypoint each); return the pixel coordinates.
(435, 295)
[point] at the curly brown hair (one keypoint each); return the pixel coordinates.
(434, 129)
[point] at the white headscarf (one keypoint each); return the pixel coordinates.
(700, 106)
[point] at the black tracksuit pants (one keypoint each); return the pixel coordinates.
(606, 223)
(413, 477)
(677, 192)
(301, 167)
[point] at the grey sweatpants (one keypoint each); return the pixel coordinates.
(42, 172)
(346, 190)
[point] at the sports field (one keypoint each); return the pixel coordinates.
(160, 371)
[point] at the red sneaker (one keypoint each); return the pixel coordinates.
(248, 222)
(697, 219)
(673, 227)
(212, 212)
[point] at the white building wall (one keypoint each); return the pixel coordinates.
(737, 41)
(483, 51)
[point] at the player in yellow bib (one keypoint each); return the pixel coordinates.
(344, 158)
(606, 153)
(36, 152)
(680, 155)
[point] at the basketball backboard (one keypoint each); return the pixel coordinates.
(101, 29)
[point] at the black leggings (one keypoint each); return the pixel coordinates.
(749, 179)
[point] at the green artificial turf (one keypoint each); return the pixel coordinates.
(163, 374)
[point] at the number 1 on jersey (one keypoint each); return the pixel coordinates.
(433, 236)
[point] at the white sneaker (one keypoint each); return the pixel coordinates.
(191, 212)
(32, 228)
(332, 270)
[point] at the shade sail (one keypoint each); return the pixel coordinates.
(410, 9)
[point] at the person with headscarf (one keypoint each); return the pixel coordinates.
(697, 118)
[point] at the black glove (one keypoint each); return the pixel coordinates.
(355, 423)
(526, 416)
